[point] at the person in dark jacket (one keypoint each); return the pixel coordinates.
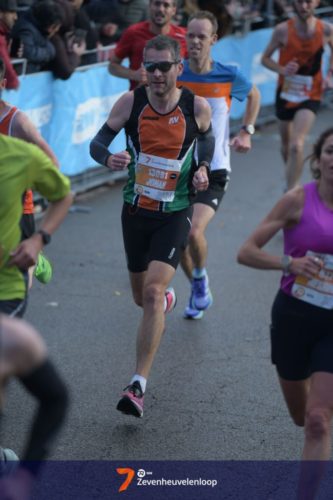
(112, 17)
(85, 29)
(69, 48)
(35, 29)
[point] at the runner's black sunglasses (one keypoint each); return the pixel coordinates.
(163, 66)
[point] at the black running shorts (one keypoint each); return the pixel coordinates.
(148, 238)
(15, 307)
(285, 113)
(28, 226)
(218, 183)
(301, 338)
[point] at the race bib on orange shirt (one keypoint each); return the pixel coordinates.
(156, 177)
(317, 291)
(296, 88)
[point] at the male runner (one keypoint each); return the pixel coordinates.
(24, 166)
(162, 125)
(301, 42)
(218, 83)
(15, 123)
(133, 41)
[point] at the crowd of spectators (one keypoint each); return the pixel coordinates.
(59, 35)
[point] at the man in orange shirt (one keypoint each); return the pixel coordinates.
(301, 43)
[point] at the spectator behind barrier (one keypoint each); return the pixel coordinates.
(280, 11)
(8, 16)
(35, 29)
(220, 11)
(84, 28)
(112, 17)
(68, 46)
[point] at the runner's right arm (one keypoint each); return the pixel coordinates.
(278, 40)
(117, 119)
(286, 213)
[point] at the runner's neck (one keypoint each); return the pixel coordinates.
(166, 103)
(159, 30)
(305, 28)
(201, 67)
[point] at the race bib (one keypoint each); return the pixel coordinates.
(156, 177)
(296, 88)
(318, 290)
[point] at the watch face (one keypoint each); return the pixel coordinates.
(250, 129)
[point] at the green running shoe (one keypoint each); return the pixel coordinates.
(43, 269)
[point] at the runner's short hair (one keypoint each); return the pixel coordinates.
(205, 14)
(164, 42)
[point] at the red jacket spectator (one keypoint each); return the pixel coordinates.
(8, 17)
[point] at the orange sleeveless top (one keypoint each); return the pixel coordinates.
(308, 54)
(5, 128)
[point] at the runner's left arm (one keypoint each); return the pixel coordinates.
(205, 143)
(242, 141)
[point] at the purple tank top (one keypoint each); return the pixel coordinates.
(313, 232)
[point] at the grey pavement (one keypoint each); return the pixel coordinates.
(213, 393)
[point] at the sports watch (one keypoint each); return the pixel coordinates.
(249, 129)
(286, 261)
(46, 237)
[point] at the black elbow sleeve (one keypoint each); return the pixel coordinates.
(100, 143)
(205, 147)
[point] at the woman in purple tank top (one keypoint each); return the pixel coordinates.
(302, 313)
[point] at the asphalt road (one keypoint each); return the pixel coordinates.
(213, 393)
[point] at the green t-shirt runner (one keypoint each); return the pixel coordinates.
(22, 166)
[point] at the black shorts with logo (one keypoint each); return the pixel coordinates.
(218, 183)
(154, 237)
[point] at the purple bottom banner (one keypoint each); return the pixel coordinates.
(202, 480)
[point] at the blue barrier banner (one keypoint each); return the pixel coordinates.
(35, 97)
(182, 480)
(83, 105)
(69, 113)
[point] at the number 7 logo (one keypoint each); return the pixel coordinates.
(130, 474)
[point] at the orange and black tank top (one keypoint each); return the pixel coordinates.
(308, 54)
(6, 126)
(161, 147)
